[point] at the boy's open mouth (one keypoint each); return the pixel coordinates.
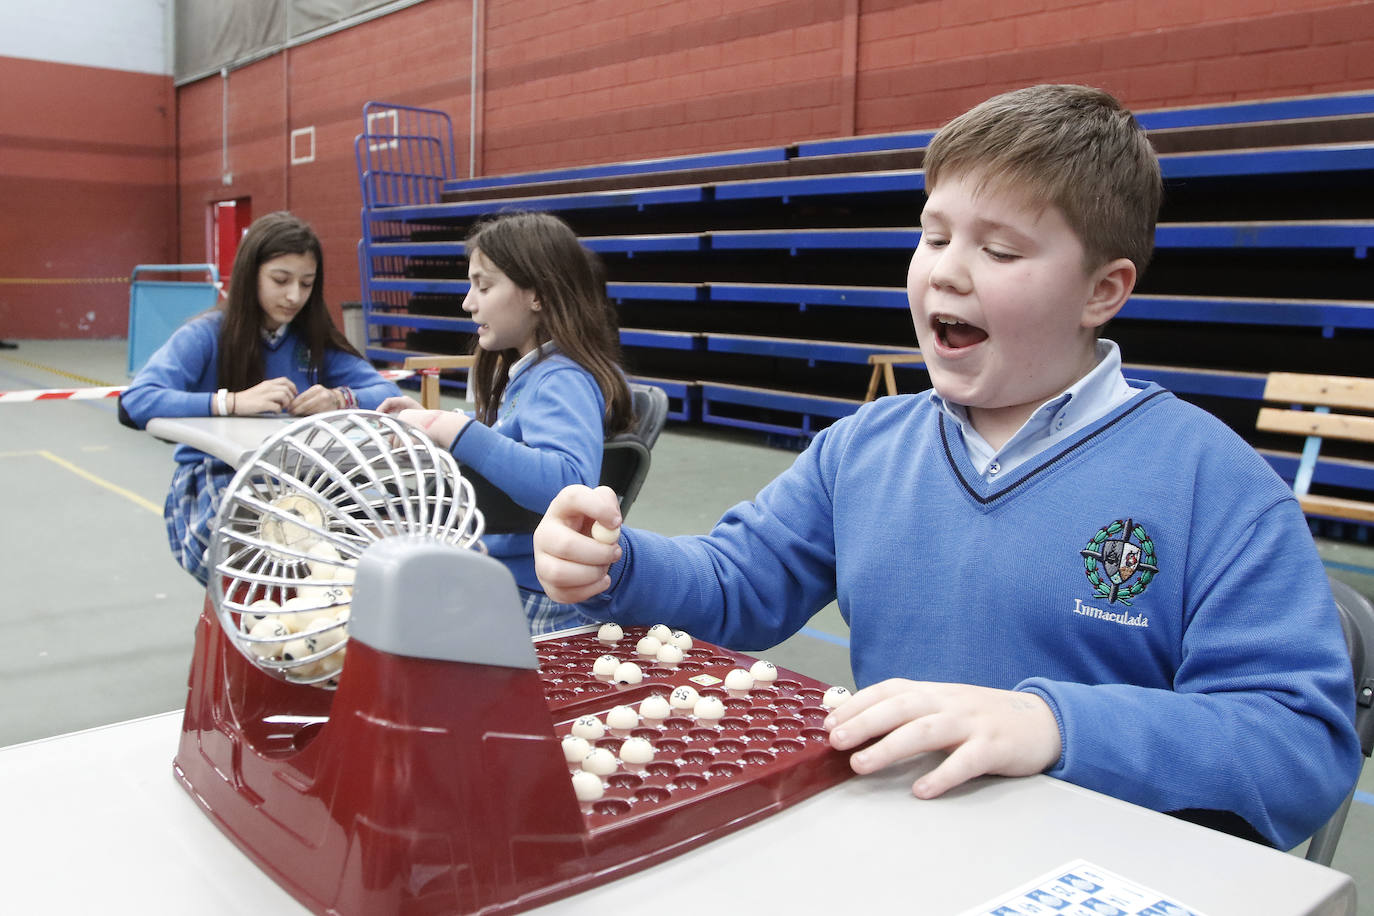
(955, 334)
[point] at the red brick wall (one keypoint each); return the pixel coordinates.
(569, 82)
(418, 56)
(926, 62)
(87, 190)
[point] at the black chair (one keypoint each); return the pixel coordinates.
(625, 458)
(1357, 620)
(624, 465)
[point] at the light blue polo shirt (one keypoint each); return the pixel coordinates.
(1093, 396)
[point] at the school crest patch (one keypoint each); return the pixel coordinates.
(1120, 561)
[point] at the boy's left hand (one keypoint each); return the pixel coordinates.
(442, 426)
(986, 731)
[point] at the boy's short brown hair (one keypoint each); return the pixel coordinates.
(1075, 147)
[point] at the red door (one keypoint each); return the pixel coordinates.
(229, 220)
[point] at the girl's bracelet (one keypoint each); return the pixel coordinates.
(222, 402)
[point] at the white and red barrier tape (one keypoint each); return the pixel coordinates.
(92, 394)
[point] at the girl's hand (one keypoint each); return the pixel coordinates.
(399, 403)
(315, 399)
(1001, 732)
(571, 564)
(442, 426)
(271, 396)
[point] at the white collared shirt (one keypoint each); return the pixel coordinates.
(1093, 396)
(273, 338)
(547, 346)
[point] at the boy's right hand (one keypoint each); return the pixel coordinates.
(399, 403)
(571, 564)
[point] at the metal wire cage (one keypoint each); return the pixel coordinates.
(299, 513)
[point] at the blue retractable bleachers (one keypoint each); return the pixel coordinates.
(756, 282)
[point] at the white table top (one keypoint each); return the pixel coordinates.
(230, 439)
(95, 822)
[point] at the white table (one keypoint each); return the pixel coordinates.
(230, 439)
(95, 822)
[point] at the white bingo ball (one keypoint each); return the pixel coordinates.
(627, 673)
(279, 530)
(299, 612)
(622, 717)
(605, 535)
(739, 679)
(610, 632)
(270, 628)
(684, 697)
(293, 653)
(323, 633)
(322, 592)
(834, 697)
(648, 645)
(655, 706)
(661, 632)
(575, 748)
(669, 654)
(709, 708)
(764, 672)
(265, 606)
(600, 761)
(682, 640)
(587, 786)
(605, 665)
(636, 750)
(333, 662)
(588, 727)
(325, 563)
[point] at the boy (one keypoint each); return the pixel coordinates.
(1090, 577)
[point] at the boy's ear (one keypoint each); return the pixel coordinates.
(1112, 286)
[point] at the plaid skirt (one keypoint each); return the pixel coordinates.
(545, 615)
(192, 502)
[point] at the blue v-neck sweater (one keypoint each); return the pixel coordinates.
(1151, 578)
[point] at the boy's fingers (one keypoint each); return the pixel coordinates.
(570, 582)
(573, 596)
(877, 710)
(917, 736)
(959, 767)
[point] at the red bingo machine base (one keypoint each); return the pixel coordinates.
(423, 786)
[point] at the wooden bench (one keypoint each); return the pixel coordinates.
(1324, 394)
(429, 367)
(882, 364)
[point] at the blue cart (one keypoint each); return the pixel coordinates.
(159, 307)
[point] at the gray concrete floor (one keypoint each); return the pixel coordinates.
(97, 619)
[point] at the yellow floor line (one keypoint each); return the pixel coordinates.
(78, 378)
(113, 488)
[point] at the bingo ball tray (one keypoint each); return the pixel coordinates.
(769, 749)
(430, 787)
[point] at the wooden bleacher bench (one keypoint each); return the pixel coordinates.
(882, 364)
(1324, 394)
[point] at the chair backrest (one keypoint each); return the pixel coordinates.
(624, 465)
(625, 457)
(1357, 621)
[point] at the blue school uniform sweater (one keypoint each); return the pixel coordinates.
(180, 379)
(1150, 577)
(548, 434)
